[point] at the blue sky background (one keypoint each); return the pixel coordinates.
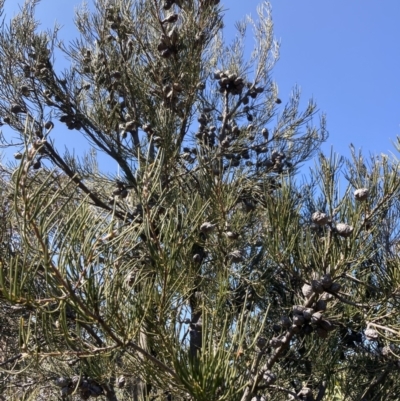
(345, 54)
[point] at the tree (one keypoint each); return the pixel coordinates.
(202, 269)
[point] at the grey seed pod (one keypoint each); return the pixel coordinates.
(321, 332)
(307, 329)
(317, 286)
(276, 328)
(320, 218)
(344, 230)
(197, 258)
(217, 74)
(265, 133)
(62, 382)
(207, 227)
(326, 281)
(316, 317)
(76, 380)
(37, 165)
(232, 235)
(123, 194)
(157, 140)
(95, 390)
(361, 194)
(307, 290)
(335, 287)
(235, 256)
(16, 108)
(24, 90)
(49, 125)
(326, 325)
(305, 392)
(371, 334)
(261, 342)
(387, 350)
(327, 297)
(275, 342)
(307, 313)
(18, 156)
(66, 391)
(298, 320)
(321, 305)
(269, 377)
(285, 322)
(298, 309)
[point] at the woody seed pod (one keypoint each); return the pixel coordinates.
(269, 377)
(121, 381)
(261, 342)
(197, 258)
(24, 90)
(320, 305)
(335, 287)
(66, 391)
(18, 156)
(37, 165)
(307, 313)
(285, 322)
(327, 297)
(326, 281)
(207, 227)
(298, 320)
(275, 342)
(361, 194)
(305, 392)
(49, 125)
(307, 290)
(62, 382)
(316, 317)
(371, 334)
(344, 230)
(307, 329)
(387, 350)
(265, 133)
(317, 286)
(236, 256)
(232, 235)
(298, 309)
(320, 218)
(321, 332)
(16, 108)
(326, 325)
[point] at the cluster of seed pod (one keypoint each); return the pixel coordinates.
(169, 3)
(311, 319)
(70, 121)
(121, 191)
(342, 229)
(320, 286)
(278, 161)
(86, 386)
(229, 82)
(206, 135)
(168, 43)
(113, 17)
(189, 155)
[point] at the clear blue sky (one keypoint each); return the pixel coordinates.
(343, 53)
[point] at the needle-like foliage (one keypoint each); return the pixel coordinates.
(204, 268)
